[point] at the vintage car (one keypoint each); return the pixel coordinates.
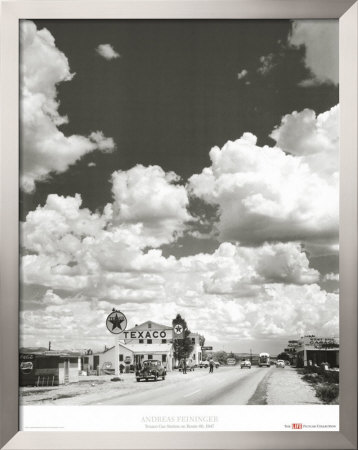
(245, 363)
(204, 364)
(217, 364)
(280, 363)
(151, 369)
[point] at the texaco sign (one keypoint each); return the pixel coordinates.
(146, 334)
(116, 322)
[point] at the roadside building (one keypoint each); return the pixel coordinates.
(291, 350)
(312, 350)
(149, 340)
(196, 354)
(48, 368)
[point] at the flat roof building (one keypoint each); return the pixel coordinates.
(313, 350)
(48, 368)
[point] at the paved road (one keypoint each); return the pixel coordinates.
(226, 386)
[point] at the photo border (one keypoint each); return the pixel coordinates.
(11, 12)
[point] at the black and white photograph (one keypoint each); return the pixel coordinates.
(179, 213)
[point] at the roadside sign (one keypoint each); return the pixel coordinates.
(178, 331)
(116, 322)
(206, 348)
(231, 361)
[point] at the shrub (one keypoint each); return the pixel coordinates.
(331, 376)
(311, 378)
(310, 369)
(327, 392)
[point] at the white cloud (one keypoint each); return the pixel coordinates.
(242, 74)
(266, 193)
(59, 226)
(44, 148)
(250, 292)
(240, 271)
(267, 63)
(316, 138)
(107, 51)
(72, 248)
(331, 277)
(151, 199)
(320, 38)
(276, 311)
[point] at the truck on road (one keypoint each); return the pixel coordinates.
(264, 359)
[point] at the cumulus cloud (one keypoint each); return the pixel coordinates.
(107, 51)
(267, 63)
(284, 193)
(320, 39)
(44, 147)
(69, 247)
(331, 277)
(242, 74)
(316, 138)
(150, 198)
(59, 226)
(272, 204)
(265, 291)
(241, 271)
(276, 311)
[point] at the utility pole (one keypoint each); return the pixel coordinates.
(49, 345)
(250, 356)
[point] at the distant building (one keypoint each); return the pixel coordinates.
(48, 368)
(196, 354)
(313, 350)
(291, 350)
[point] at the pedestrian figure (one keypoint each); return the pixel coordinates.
(211, 365)
(184, 365)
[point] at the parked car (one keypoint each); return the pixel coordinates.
(204, 364)
(217, 364)
(280, 363)
(245, 363)
(151, 369)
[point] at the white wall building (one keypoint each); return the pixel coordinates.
(149, 340)
(196, 354)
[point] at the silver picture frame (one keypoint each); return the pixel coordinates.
(11, 12)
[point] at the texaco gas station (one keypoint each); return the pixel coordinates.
(146, 341)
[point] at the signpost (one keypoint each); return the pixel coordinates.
(206, 348)
(179, 332)
(231, 361)
(116, 323)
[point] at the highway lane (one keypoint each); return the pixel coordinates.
(227, 385)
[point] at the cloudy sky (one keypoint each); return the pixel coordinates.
(179, 167)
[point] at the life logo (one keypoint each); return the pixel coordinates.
(297, 426)
(26, 367)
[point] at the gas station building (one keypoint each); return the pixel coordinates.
(149, 340)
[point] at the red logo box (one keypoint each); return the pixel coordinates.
(297, 426)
